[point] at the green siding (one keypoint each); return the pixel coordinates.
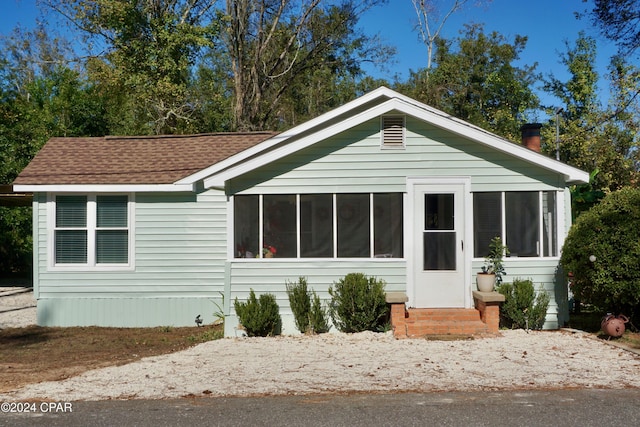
(354, 161)
(271, 276)
(180, 253)
(125, 311)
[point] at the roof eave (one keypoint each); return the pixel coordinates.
(104, 188)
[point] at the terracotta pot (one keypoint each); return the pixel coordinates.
(486, 282)
(614, 326)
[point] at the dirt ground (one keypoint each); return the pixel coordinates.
(32, 354)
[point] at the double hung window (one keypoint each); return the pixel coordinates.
(92, 230)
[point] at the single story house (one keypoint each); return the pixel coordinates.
(154, 230)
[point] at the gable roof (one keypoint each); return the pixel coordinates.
(372, 105)
(140, 160)
(177, 163)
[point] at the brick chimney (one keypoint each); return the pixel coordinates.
(531, 136)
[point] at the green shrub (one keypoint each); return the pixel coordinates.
(358, 303)
(309, 317)
(522, 308)
(300, 303)
(260, 317)
(602, 250)
(318, 318)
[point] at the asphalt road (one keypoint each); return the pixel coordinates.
(512, 408)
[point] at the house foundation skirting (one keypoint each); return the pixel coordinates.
(417, 322)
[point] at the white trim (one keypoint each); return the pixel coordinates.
(108, 188)
(335, 225)
(231, 220)
(563, 218)
(91, 227)
(298, 227)
(295, 140)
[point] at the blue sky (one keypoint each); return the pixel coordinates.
(546, 23)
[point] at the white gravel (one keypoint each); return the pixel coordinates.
(17, 307)
(364, 362)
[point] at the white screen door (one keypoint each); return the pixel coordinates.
(439, 245)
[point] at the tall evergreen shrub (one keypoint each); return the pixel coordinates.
(307, 308)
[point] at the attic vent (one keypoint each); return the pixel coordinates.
(393, 131)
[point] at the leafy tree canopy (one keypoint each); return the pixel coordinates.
(475, 79)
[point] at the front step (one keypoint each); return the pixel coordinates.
(418, 322)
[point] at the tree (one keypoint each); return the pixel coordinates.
(578, 96)
(475, 79)
(619, 20)
(150, 49)
(428, 26)
(593, 137)
(275, 45)
(40, 97)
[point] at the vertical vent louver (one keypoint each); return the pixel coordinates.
(393, 131)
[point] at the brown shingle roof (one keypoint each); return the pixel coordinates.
(132, 160)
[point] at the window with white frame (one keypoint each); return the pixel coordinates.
(92, 230)
(360, 225)
(526, 222)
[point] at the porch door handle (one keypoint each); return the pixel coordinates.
(462, 244)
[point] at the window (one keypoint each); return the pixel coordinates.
(487, 221)
(354, 231)
(92, 230)
(316, 225)
(523, 224)
(526, 222)
(71, 230)
(393, 131)
(359, 225)
(279, 225)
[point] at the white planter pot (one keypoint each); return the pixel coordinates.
(486, 282)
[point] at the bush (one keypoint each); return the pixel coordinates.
(260, 317)
(358, 304)
(309, 316)
(318, 316)
(522, 308)
(610, 231)
(300, 303)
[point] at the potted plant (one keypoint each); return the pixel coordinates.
(493, 268)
